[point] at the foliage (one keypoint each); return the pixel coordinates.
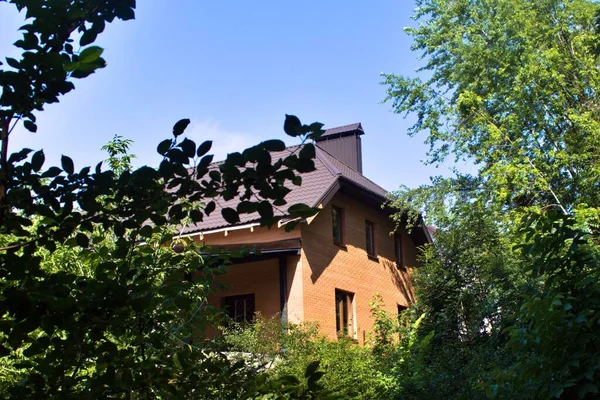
(556, 340)
(513, 87)
(351, 371)
(469, 287)
(94, 301)
(119, 159)
(510, 281)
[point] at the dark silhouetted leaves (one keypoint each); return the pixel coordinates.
(164, 146)
(180, 126)
(292, 125)
(265, 210)
(301, 210)
(188, 147)
(204, 148)
(30, 126)
(230, 215)
(37, 160)
(210, 207)
(67, 165)
(274, 145)
(82, 240)
(307, 151)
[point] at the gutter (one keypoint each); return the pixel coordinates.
(231, 228)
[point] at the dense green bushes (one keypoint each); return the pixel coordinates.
(375, 371)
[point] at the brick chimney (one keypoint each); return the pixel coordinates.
(344, 144)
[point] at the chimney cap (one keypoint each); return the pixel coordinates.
(342, 131)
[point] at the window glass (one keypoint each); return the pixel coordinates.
(240, 308)
(337, 220)
(370, 232)
(398, 249)
(344, 313)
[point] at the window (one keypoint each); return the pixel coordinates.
(398, 250)
(401, 309)
(344, 313)
(370, 231)
(240, 308)
(337, 222)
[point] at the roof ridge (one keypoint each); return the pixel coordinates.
(343, 163)
(328, 164)
(357, 125)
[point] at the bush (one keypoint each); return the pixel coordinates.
(351, 371)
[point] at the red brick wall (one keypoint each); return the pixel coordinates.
(327, 266)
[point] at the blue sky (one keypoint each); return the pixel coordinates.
(235, 68)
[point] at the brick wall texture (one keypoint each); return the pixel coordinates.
(322, 267)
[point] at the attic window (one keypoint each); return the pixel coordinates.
(337, 222)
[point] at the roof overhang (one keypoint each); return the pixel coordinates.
(419, 232)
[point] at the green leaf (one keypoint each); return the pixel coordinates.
(210, 207)
(188, 147)
(180, 126)
(13, 63)
(247, 207)
(204, 162)
(274, 145)
(82, 240)
(90, 54)
(177, 362)
(51, 172)
(265, 210)
(67, 165)
(37, 160)
(235, 159)
(307, 152)
(204, 148)
(146, 231)
(292, 125)
(305, 165)
(196, 215)
(301, 210)
(164, 146)
(89, 36)
(30, 126)
(230, 215)
(311, 369)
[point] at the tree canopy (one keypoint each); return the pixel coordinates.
(94, 301)
(512, 87)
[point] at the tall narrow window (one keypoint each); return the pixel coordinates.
(337, 222)
(398, 250)
(240, 308)
(344, 313)
(370, 232)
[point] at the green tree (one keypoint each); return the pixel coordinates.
(512, 87)
(94, 302)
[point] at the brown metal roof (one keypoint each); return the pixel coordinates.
(340, 131)
(315, 188)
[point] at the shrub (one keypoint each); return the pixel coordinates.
(351, 371)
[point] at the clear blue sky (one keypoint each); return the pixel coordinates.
(235, 68)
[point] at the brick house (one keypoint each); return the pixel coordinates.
(329, 267)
